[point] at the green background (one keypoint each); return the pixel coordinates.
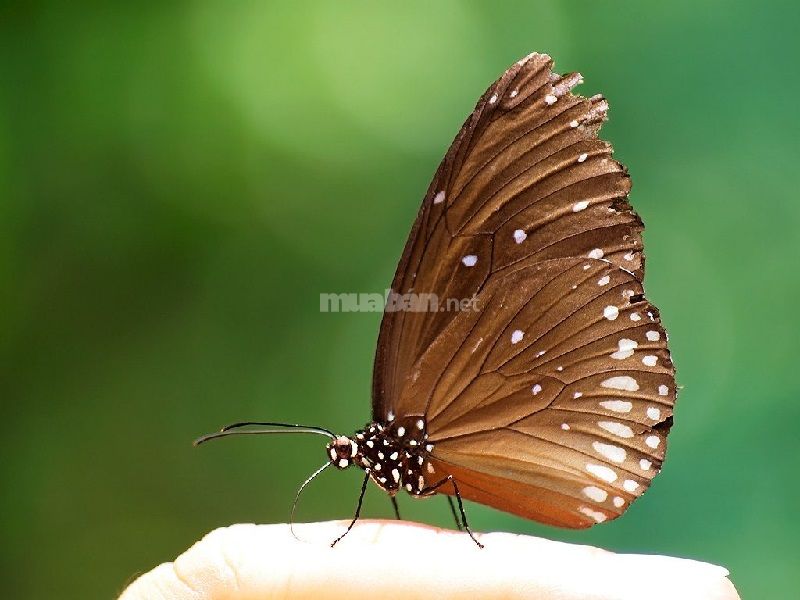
(179, 182)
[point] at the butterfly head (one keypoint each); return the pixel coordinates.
(342, 451)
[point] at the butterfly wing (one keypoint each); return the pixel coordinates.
(525, 180)
(552, 399)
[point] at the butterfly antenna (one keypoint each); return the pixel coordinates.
(236, 429)
(297, 497)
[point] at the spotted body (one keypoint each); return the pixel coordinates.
(395, 455)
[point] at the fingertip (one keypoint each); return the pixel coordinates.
(396, 559)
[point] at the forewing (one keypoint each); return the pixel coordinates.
(526, 180)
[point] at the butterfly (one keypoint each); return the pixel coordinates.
(552, 395)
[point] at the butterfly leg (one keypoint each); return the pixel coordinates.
(396, 508)
(358, 510)
(450, 479)
(455, 515)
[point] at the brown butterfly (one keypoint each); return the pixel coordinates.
(552, 396)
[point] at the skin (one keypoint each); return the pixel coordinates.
(398, 559)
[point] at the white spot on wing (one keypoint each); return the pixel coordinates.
(650, 360)
(565, 427)
(603, 280)
(612, 453)
(620, 406)
(603, 472)
(645, 464)
(595, 493)
(653, 336)
(663, 390)
(439, 198)
(594, 514)
(636, 316)
(596, 253)
(653, 441)
(517, 336)
(621, 382)
(536, 389)
(549, 99)
(579, 206)
(573, 124)
(618, 429)
(582, 157)
(653, 413)
(493, 99)
(470, 260)
(629, 485)
(626, 348)
(520, 236)
(610, 312)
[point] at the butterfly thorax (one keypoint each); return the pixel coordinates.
(394, 454)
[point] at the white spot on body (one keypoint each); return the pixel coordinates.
(550, 99)
(343, 462)
(626, 348)
(520, 235)
(596, 253)
(421, 482)
(401, 431)
(603, 472)
(653, 413)
(603, 280)
(409, 487)
(470, 260)
(629, 485)
(594, 514)
(429, 447)
(653, 336)
(612, 453)
(645, 464)
(621, 382)
(439, 198)
(377, 466)
(663, 390)
(653, 441)
(650, 360)
(595, 493)
(536, 389)
(618, 429)
(370, 444)
(620, 406)
(517, 336)
(395, 475)
(394, 455)
(390, 416)
(420, 424)
(611, 312)
(579, 206)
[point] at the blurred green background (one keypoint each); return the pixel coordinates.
(179, 182)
